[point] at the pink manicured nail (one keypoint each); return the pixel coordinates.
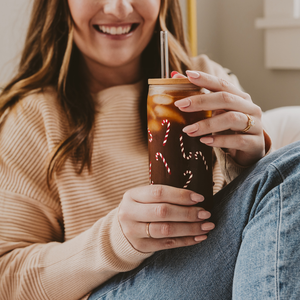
(196, 197)
(193, 74)
(183, 103)
(207, 140)
(200, 238)
(207, 226)
(174, 73)
(191, 128)
(203, 214)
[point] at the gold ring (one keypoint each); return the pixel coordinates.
(250, 123)
(148, 231)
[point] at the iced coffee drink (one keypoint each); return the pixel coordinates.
(176, 159)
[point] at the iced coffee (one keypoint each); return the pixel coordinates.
(176, 159)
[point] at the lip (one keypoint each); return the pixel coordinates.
(134, 26)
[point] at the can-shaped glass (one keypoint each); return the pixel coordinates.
(175, 159)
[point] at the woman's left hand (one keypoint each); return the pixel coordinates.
(235, 125)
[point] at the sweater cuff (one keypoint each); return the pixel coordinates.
(122, 247)
(230, 169)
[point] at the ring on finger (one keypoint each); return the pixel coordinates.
(148, 230)
(250, 123)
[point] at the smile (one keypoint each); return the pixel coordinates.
(116, 30)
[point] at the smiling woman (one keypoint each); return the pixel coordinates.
(113, 34)
(78, 218)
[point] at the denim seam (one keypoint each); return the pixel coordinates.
(277, 291)
(277, 284)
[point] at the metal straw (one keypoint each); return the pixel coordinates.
(164, 54)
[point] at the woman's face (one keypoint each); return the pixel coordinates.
(113, 33)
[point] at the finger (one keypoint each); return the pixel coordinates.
(164, 194)
(153, 245)
(215, 84)
(164, 212)
(231, 120)
(174, 229)
(167, 229)
(218, 101)
(247, 148)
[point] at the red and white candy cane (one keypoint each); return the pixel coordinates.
(157, 155)
(203, 158)
(150, 172)
(187, 172)
(168, 130)
(150, 134)
(182, 149)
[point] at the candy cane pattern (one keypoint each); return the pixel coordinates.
(182, 149)
(203, 158)
(150, 171)
(168, 130)
(190, 178)
(198, 153)
(158, 154)
(150, 134)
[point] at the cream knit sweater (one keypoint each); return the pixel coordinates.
(62, 242)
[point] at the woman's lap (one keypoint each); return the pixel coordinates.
(252, 251)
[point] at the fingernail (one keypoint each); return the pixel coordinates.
(196, 197)
(183, 103)
(207, 226)
(203, 214)
(207, 140)
(174, 73)
(200, 238)
(193, 74)
(191, 128)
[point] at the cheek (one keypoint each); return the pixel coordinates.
(149, 10)
(82, 11)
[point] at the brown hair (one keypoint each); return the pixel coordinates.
(50, 58)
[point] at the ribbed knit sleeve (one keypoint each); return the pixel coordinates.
(46, 252)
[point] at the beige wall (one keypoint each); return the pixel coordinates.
(14, 18)
(225, 32)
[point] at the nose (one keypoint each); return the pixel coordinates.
(118, 8)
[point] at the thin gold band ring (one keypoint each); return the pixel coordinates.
(148, 231)
(250, 123)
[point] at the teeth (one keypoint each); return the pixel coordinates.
(115, 30)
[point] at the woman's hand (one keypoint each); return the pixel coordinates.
(233, 112)
(158, 217)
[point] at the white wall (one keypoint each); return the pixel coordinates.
(14, 18)
(226, 33)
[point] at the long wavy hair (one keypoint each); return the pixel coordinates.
(50, 58)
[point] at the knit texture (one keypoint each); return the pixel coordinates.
(62, 242)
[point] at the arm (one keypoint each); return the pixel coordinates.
(35, 260)
(228, 157)
(235, 126)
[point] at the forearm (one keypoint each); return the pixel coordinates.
(71, 269)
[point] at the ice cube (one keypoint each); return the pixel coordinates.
(167, 113)
(162, 99)
(150, 112)
(154, 125)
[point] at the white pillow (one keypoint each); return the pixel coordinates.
(283, 125)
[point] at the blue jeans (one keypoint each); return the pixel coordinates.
(253, 253)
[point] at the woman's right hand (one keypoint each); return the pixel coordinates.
(174, 219)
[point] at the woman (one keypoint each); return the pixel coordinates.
(74, 193)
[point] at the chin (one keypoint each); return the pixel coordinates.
(116, 60)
